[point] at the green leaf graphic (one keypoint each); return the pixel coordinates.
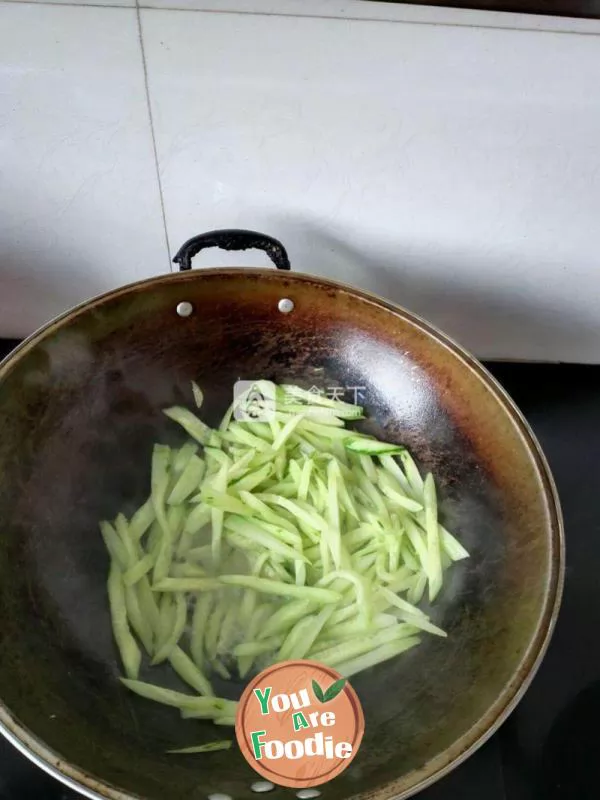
(318, 692)
(334, 690)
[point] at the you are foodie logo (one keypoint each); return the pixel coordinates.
(299, 724)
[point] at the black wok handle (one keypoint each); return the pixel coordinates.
(232, 240)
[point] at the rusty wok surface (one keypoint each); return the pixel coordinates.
(81, 407)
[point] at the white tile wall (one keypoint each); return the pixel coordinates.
(448, 160)
(453, 169)
(109, 3)
(79, 201)
(390, 12)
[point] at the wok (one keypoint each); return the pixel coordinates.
(81, 404)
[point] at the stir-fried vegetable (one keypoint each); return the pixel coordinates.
(294, 537)
(204, 748)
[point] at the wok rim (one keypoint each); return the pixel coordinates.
(79, 780)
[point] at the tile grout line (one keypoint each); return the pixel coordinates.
(530, 28)
(67, 3)
(152, 133)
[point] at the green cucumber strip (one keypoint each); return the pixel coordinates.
(141, 520)
(257, 648)
(393, 491)
(115, 546)
(198, 395)
(268, 515)
(333, 508)
(193, 426)
(393, 468)
(415, 594)
(340, 529)
(303, 635)
(421, 622)
(216, 458)
(197, 519)
(227, 626)
(371, 447)
(258, 535)
(262, 429)
(236, 433)
(187, 585)
(323, 432)
(240, 466)
(392, 543)
(289, 390)
(138, 570)
(159, 484)
(300, 571)
(199, 620)
(285, 617)
(213, 707)
(410, 560)
(277, 529)
(217, 516)
(362, 593)
(176, 699)
(265, 586)
(376, 499)
(287, 430)
(187, 570)
(256, 624)
(433, 539)
(377, 656)
(301, 511)
(284, 489)
(226, 502)
(345, 651)
(320, 414)
(366, 462)
(147, 603)
(183, 455)
(177, 626)
(213, 626)
(412, 474)
(188, 481)
(140, 624)
(128, 648)
(190, 672)
(355, 627)
(166, 618)
(418, 540)
(304, 481)
(209, 747)
(175, 521)
(224, 424)
(253, 479)
(452, 546)
(400, 603)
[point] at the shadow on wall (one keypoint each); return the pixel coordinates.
(32, 294)
(488, 321)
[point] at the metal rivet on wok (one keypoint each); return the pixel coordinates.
(262, 786)
(306, 794)
(219, 796)
(285, 305)
(184, 309)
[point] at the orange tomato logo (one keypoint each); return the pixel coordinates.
(299, 724)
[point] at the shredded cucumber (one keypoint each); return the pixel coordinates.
(210, 747)
(293, 537)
